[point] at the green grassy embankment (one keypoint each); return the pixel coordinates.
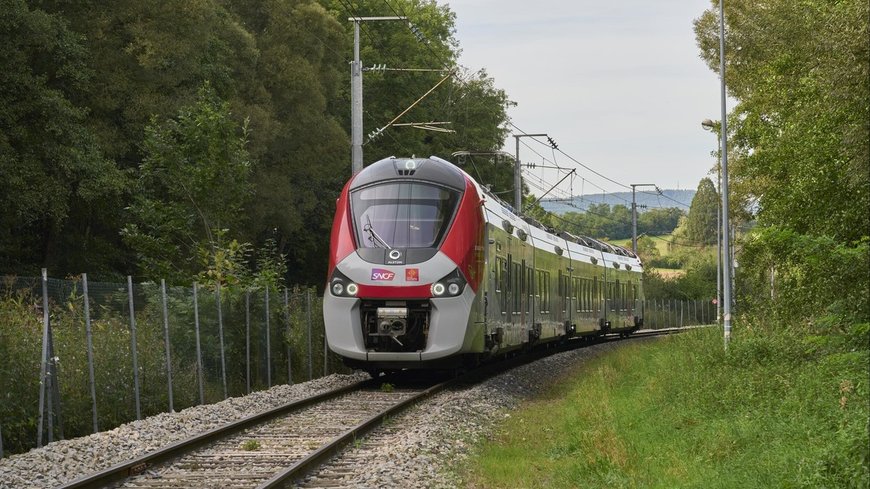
(788, 410)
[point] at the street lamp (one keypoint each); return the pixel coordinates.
(713, 127)
(723, 133)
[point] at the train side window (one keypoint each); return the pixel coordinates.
(517, 282)
(596, 295)
(547, 297)
(530, 281)
(577, 294)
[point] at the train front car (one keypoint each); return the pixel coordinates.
(405, 267)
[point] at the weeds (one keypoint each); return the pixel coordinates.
(250, 445)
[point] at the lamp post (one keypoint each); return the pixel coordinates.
(634, 214)
(518, 173)
(713, 127)
(356, 93)
(723, 132)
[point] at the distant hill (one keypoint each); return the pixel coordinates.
(680, 199)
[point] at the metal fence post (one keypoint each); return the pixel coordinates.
(681, 313)
(43, 380)
(133, 346)
(217, 293)
(268, 345)
(166, 344)
(90, 350)
(248, 340)
(1, 442)
(287, 339)
(198, 346)
(308, 314)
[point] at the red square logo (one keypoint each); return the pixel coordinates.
(412, 274)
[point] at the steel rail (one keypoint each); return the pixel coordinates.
(139, 464)
(322, 454)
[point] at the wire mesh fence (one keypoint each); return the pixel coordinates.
(673, 313)
(78, 356)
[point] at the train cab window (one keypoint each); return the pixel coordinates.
(402, 214)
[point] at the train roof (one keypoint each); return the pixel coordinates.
(432, 169)
(438, 170)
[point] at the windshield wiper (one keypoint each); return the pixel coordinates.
(373, 235)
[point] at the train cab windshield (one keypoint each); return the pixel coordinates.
(402, 214)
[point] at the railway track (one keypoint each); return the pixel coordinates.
(267, 449)
(279, 447)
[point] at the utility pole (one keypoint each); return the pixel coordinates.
(356, 94)
(518, 172)
(634, 213)
(726, 232)
(714, 128)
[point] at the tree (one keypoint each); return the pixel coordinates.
(799, 134)
(701, 223)
(192, 187)
(53, 172)
(799, 145)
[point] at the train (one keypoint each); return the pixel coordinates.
(428, 269)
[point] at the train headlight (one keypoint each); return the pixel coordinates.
(337, 288)
(450, 286)
(341, 286)
(438, 289)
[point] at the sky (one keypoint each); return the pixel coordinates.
(618, 85)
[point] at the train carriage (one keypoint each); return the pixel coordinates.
(429, 270)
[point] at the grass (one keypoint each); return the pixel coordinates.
(775, 411)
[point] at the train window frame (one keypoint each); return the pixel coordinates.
(355, 195)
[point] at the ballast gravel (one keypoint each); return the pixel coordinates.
(421, 448)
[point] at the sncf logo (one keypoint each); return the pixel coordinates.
(381, 274)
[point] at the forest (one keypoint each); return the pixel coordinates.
(169, 139)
